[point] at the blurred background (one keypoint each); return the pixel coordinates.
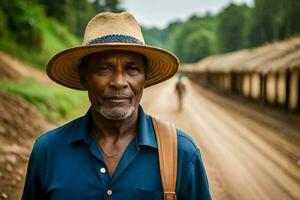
(240, 70)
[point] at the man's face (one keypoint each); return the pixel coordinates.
(115, 82)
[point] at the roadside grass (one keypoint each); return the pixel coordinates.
(56, 103)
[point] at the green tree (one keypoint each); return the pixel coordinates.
(161, 37)
(274, 20)
(3, 24)
(262, 25)
(98, 5)
(198, 45)
(154, 36)
(76, 15)
(195, 39)
(25, 19)
(112, 6)
(55, 9)
(290, 15)
(233, 27)
(84, 12)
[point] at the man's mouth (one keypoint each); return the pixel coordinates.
(117, 99)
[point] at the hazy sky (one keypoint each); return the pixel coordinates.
(160, 12)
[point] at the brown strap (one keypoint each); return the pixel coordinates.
(167, 151)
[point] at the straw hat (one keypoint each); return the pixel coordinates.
(112, 31)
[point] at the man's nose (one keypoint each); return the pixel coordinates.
(118, 80)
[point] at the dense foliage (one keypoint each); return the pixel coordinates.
(76, 15)
(233, 28)
(274, 20)
(196, 39)
(34, 30)
(44, 27)
(22, 21)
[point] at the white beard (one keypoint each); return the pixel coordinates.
(112, 113)
(115, 113)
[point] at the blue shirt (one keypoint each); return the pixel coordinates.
(66, 163)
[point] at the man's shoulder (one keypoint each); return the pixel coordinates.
(188, 152)
(60, 133)
(186, 144)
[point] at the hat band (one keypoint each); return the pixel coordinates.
(115, 38)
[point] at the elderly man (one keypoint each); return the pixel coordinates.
(112, 151)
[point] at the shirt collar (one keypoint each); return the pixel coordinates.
(82, 128)
(145, 137)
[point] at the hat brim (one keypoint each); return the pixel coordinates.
(62, 68)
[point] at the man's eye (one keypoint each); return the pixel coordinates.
(103, 68)
(133, 70)
(132, 66)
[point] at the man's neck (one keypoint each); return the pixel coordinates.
(113, 130)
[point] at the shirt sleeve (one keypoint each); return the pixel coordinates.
(33, 184)
(196, 184)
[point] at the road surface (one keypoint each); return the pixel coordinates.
(244, 159)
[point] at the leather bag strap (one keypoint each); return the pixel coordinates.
(166, 138)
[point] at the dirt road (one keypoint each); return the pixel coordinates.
(244, 159)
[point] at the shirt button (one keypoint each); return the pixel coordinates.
(103, 170)
(109, 192)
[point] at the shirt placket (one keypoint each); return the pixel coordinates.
(102, 171)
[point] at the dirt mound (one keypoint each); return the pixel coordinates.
(12, 68)
(20, 124)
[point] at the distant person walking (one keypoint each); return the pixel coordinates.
(180, 90)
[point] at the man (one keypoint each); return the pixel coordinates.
(180, 90)
(111, 152)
